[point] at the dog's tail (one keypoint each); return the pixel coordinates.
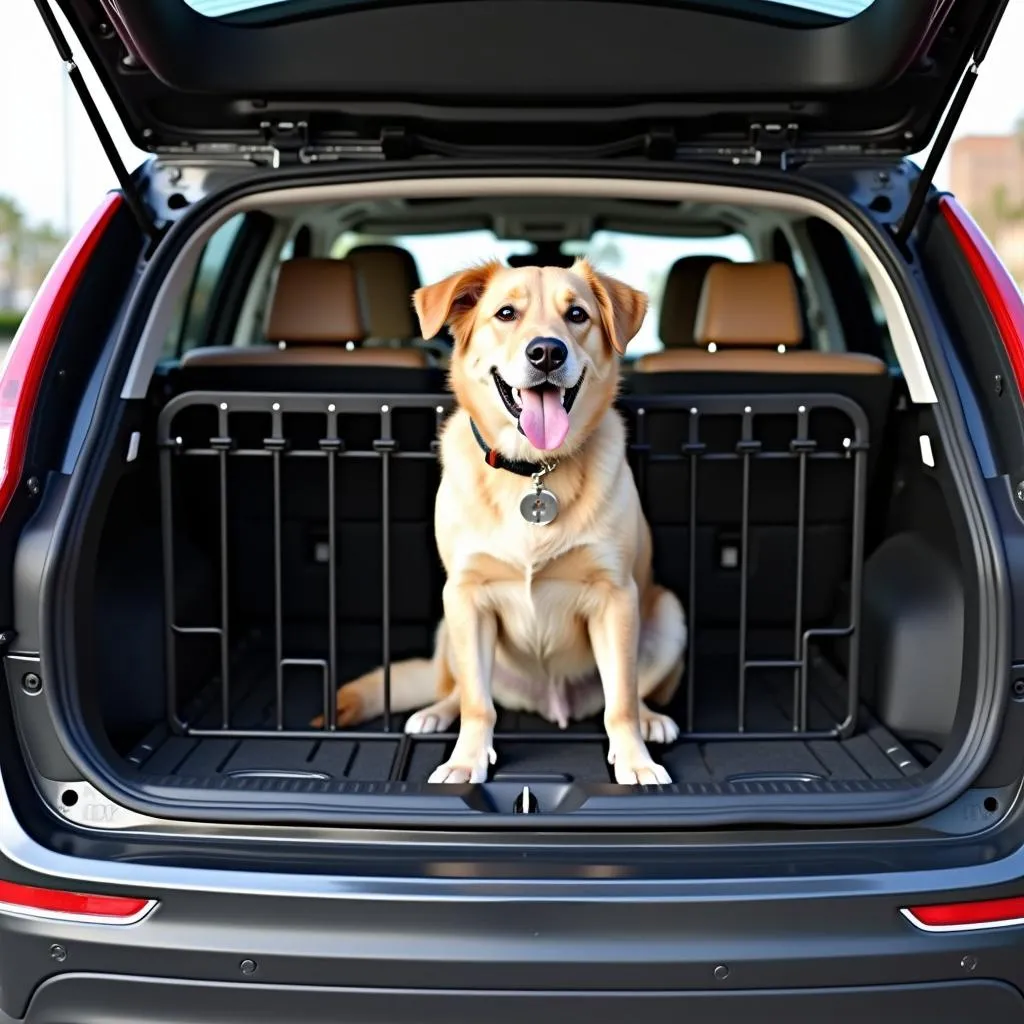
(413, 685)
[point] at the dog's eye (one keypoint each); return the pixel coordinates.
(576, 315)
(506, 313)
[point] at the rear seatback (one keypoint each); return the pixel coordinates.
(748, 360)
(316, 319)
(680, 301)
(749, 321)
(316, 333)
(388, 276)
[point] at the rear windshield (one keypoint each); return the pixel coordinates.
(839, 9)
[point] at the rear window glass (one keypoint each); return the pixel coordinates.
(833, 8)
(192, 317)
(830, 8)
(640, 260)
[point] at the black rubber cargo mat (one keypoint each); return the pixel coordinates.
(873, 754)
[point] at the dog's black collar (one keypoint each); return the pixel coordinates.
(498, 461)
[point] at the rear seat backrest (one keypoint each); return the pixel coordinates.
(316, 319)
(749, 321)
(389, 277)
(681, 299)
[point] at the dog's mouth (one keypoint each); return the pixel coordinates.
(542, 411)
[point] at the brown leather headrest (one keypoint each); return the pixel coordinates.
(317, 302)
(749, 305)
(389, 277)
(681, 299)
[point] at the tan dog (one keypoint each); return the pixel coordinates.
(555, 615)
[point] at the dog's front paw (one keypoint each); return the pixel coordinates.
(436, 718)
(656, 728)
(634, 765)
(467, 765)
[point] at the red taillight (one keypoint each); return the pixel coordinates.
(30, 351)
(999, 288)
(960, 917)
(55, 903)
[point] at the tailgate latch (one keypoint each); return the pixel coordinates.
(526, 803)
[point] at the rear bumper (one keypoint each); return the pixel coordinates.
(464, 933)
(75, 999)
(211, 957)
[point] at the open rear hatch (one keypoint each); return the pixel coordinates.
(324, 79)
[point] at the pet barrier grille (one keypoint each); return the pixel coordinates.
(757, 454)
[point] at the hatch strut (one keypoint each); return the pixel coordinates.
(946, 129)
(74, 73)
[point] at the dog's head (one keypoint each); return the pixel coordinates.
(536, 349)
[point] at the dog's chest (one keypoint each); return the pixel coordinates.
(541, 607)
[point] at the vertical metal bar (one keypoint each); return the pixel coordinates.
(385, 445)
(332, 447)
(276, 444)
(694, 447)
(856, 577)
(401, 762)
(223, 445)
(167, 526)
(642, 449)
(800, 676)
(746, 447)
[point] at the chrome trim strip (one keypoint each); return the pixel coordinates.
(943, 929)
(16, 910)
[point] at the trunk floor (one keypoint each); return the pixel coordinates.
(873, 754)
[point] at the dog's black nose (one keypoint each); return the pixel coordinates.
(547, 354)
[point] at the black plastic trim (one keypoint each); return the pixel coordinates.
(147, 1000)
(356, 71)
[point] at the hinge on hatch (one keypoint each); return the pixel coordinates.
(771, 144)
(287, 141)
(291, 142)
(661, 143)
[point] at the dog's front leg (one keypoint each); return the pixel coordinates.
(614, 630)
(473, 634)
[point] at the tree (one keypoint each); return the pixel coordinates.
(41, 245)
(12, 228)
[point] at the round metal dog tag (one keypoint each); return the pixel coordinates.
(539, 507)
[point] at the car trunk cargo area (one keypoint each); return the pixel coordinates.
(255, 535)
(272, 545)
(530, 748)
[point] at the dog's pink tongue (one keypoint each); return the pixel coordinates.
(545, 423)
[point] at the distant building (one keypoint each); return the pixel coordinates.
(1008, 240)
(987, 176)
(24, 264)
(983, 165)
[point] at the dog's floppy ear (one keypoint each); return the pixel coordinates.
(621, 307)
(452, 300)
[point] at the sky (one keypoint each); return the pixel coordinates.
(32, 153)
